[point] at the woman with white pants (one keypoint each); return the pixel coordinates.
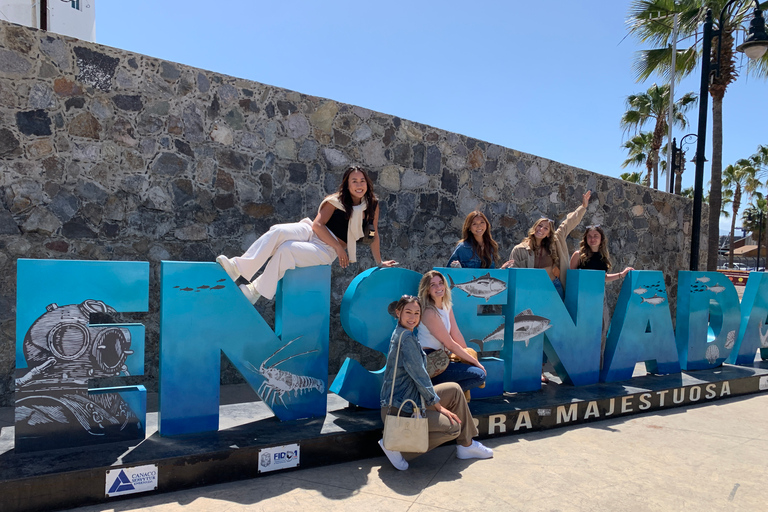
(343, 219)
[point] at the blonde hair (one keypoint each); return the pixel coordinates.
(426, 300)
(546, 243)
(585, 252)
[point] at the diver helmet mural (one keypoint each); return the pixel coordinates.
(63, 352)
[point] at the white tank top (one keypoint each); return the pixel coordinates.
(426, 339)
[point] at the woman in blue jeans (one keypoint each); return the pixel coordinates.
(438, 331)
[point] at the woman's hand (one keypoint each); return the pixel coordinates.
(388, 263)
(343, 258)
(508, 264)
(481, 367)
(626, 271)
(448, 414)
(585, 199)
(455, 264)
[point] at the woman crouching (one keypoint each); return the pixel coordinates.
(447, 411)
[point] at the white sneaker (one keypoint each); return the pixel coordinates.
(396, 458)
(474, 451)
(229, 267)
(249, 290)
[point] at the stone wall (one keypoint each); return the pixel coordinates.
(105, 154)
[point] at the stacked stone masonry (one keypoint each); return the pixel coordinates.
(111, 155)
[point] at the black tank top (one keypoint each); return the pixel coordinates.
(595, 262)
(338, 224)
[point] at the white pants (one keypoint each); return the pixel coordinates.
(289, 246)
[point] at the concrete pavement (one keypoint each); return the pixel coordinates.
(708, 457)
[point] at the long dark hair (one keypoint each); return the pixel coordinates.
(489, 252)
(585, 251)
(346, 197)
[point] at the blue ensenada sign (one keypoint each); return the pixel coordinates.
(64, 338)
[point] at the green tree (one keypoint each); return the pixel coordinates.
(639, 153)
(651, 22)
(632, 177)
(652, 106)
(755, 224)
(738, 178)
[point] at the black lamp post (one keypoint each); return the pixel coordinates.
(678, 161)
(754, 46)
(751, 218)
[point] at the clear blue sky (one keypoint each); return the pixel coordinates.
(547, 78)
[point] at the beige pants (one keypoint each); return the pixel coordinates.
(286, 246)
(441, 430)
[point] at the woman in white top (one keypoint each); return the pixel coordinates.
(438, 331)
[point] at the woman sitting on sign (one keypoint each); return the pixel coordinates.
(345, 218)
(439, 332)
(477, 248)
(546, 248)
(447, 411)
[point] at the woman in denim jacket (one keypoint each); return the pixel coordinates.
(477, 248)
(446, 408)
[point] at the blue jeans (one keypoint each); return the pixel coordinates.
(559, 288)
(465, 375)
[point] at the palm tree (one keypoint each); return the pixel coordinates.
(738, 178)
(653, 106)
(753, 218)
(632, 177)
(639, 153)
(651, 22)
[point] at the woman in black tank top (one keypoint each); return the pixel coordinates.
(593, 254)
(344, 218)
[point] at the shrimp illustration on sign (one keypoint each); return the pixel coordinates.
(528, 325)
(483, 287)
(279, 382)
(730, 339)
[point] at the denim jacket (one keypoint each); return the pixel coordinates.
(411, 380)
(467, 256)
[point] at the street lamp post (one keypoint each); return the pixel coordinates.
(754, 46)
(678, 161)
(759, 237)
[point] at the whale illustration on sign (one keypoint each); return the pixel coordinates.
(654, 301)
(483, 287)
(496, 335)
(528, 325)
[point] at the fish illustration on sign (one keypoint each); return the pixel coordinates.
(640, 291)
(730, 340)
(528, 325)
(703, 279)
(716, 289)
(763, 338)
(483, 287)
(496, 335)
(712, 354)
(654, 301)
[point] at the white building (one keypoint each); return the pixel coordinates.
(75, 18)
